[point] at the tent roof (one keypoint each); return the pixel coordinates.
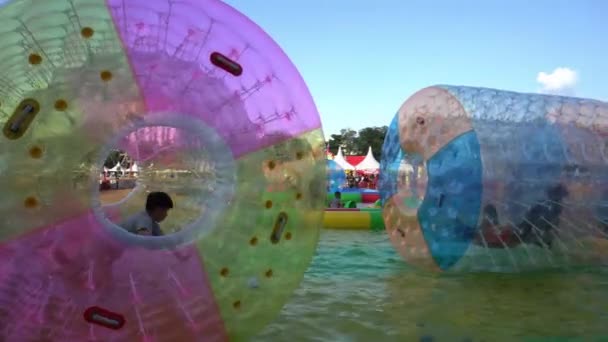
(369, 163)
(115, 168)
(339, 158)
(354, 160)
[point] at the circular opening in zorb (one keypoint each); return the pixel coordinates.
(182, 159)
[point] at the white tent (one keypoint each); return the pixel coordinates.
(339, 158)
(369, 163)
(116, 169)
(134, 168)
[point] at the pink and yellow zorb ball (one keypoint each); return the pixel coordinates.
(212, 111)
(476, 179)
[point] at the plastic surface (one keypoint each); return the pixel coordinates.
(214, 113)
(370, 197)
(478, 179)
(336, 178)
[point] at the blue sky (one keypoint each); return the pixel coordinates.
(363, 59)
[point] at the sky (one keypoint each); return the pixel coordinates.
(362, 59)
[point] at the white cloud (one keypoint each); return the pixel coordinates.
(559, 82)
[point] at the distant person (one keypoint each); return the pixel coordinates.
(364, 184)
(337, 201)
(373, 182)
(147, 222)
(350, 180)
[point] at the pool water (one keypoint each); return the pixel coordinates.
(358, 289)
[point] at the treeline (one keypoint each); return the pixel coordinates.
(357, 143)
(352, 142)
(115, 157)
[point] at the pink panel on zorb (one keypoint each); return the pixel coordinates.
(170, 47)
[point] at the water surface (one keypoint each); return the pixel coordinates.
(358, 289)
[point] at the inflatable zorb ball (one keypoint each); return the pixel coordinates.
(336, 177)
(213, 112)
(477, 179)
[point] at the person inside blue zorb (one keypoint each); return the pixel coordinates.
(336, 178)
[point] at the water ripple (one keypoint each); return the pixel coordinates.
(358, 289)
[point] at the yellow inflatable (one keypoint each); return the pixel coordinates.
(354, 219)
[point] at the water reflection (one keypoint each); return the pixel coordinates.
(358, 289)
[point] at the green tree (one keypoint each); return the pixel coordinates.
(371, 136)
(112, 159)
(349, 141)
(334, 142)
(357, 143)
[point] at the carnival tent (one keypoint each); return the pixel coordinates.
(134, 168)
(339, 158)
(369, 164)
(116, 169)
